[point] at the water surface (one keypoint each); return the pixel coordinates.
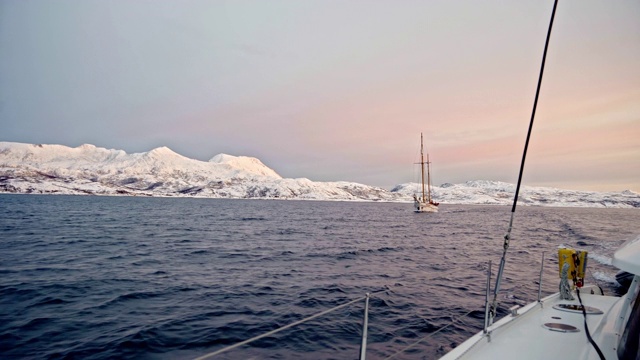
(163, 278)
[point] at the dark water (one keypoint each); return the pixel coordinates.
(157, 278)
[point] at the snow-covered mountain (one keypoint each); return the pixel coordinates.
(501, 193)
(87, 169)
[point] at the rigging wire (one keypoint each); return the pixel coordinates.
(507, 237)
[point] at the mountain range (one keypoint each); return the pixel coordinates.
(91, 170)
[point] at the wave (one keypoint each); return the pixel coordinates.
(259, 218)
(604, 260)
(601, 276)
(48, 300)
(199, 283)
(124, 298)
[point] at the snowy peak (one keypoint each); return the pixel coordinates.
(158, 166)
(245, 163)
(37, 154)
(501, 193)
(222, 158)
(490, 184)
(57, 169)
(163, 155)
(87, 169)
(163, 151)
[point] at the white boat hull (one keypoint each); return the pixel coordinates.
(421, 207)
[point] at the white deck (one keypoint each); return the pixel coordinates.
(525, 337)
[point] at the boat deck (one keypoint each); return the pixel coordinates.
(544, 331)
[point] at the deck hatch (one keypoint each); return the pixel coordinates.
(578, 309)
(561, 327)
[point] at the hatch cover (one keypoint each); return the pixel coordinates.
(561, 327)
(577, 308)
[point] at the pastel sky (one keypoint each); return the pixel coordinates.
(335, 90)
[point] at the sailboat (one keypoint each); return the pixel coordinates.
(424, 203)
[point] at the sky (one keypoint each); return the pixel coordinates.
(335, 90)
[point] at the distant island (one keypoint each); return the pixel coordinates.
(91, 170)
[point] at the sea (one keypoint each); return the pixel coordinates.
(89, 277)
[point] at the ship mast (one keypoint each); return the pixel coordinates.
(422, 166)
(428, 179)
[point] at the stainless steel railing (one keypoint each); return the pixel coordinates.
(365, 324)
(272, 332)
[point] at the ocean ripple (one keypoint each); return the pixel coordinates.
(161, 278)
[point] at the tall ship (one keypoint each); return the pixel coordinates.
(424, 202)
